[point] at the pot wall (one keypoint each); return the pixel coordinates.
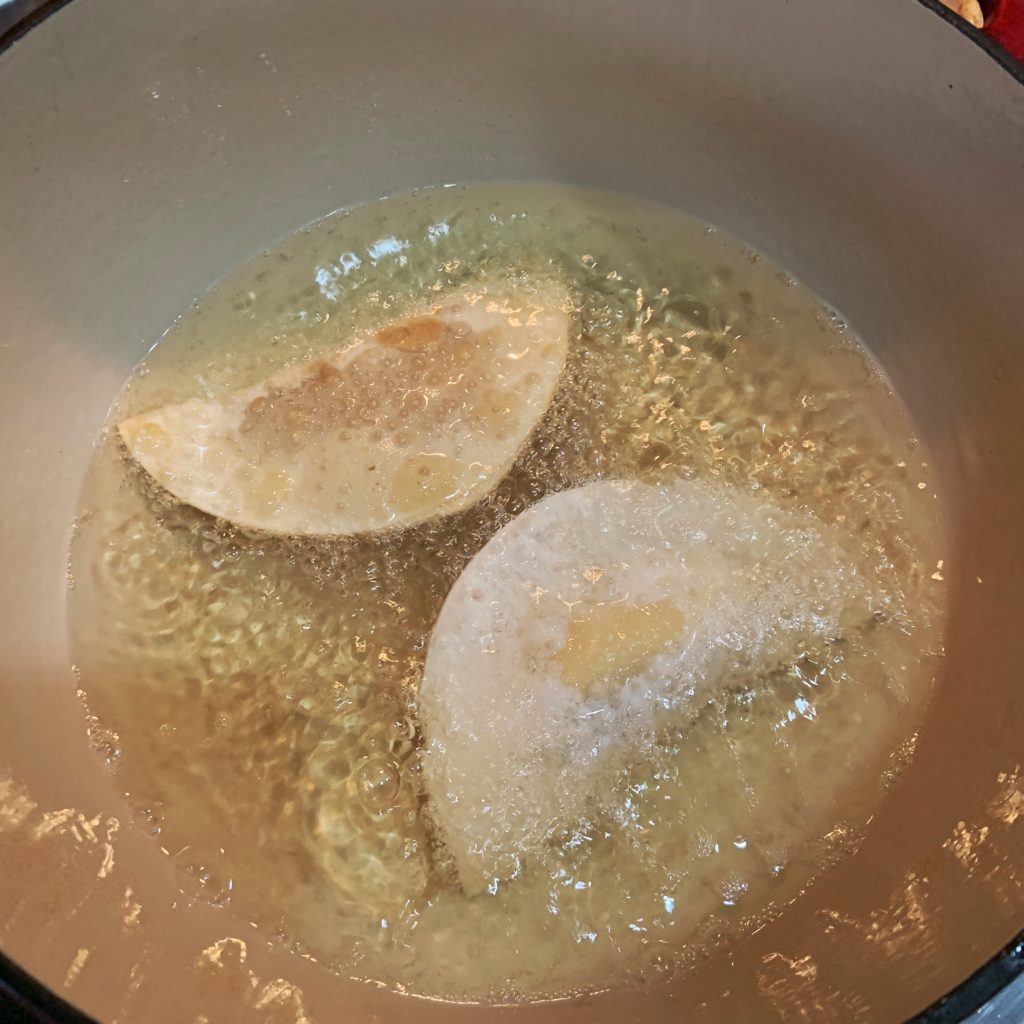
(146, 148)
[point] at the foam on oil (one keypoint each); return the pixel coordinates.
(257, 696)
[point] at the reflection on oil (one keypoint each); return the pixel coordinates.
(96, 830)
(1008, 804)
(75, 849)
(964, 843)
(223, 967)
(132, 909)
(15, 805)
(795, 990)
(89, 896)
(75, 967)
(902, 924)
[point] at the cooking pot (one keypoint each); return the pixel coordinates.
(873, 150)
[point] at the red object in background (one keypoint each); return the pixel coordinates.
(1004, 22)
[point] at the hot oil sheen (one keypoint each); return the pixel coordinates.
(256, 696)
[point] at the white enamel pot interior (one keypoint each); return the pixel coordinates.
(874, 150)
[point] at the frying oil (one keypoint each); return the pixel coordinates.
(256, 695)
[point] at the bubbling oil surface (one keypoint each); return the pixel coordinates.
(256, 696)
